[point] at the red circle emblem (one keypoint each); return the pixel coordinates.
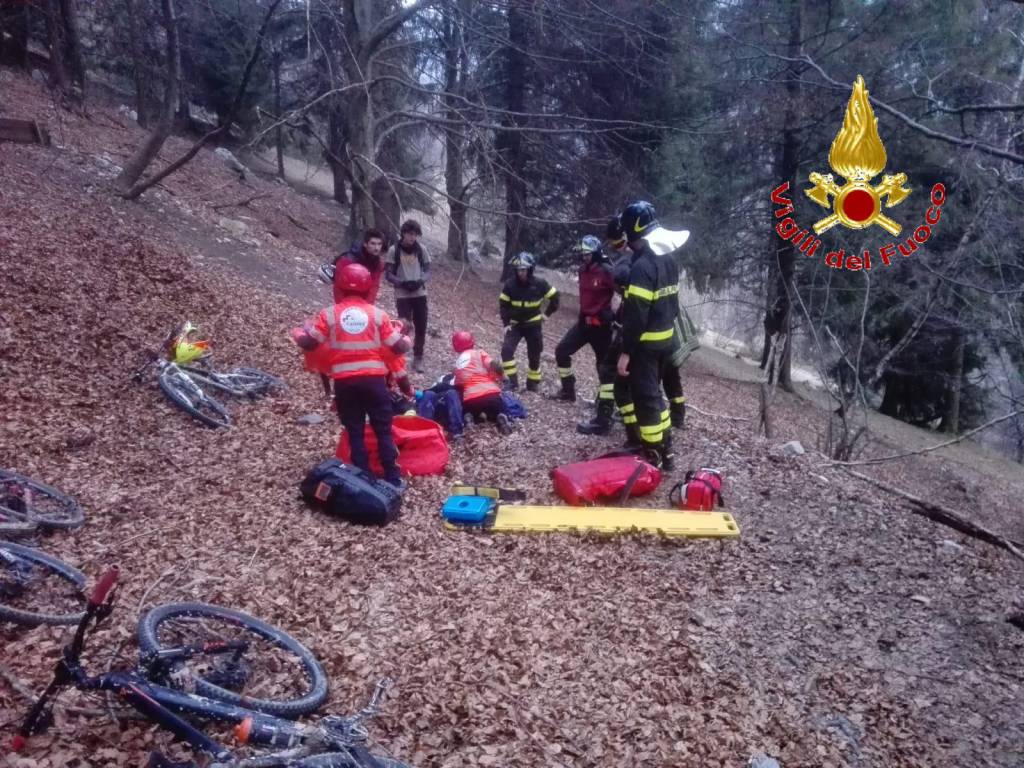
(858, 205)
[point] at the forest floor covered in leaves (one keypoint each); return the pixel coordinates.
(839, 630)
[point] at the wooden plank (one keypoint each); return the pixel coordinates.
(23, 131)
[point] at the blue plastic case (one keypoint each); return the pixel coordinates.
(471, 510)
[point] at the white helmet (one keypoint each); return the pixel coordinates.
(326, 274)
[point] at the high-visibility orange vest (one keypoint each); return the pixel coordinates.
(473, 375)
(357, 335)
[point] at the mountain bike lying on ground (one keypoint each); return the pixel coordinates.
(36, 588)
(220, 665)
(184, 370)
(27, 506)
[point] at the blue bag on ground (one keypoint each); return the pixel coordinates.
(513, 408)
(350, 493)
(443, 407)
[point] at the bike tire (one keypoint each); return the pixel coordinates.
(64, 513)
(216, 417)
(240, 382)
(313, 672)
(16, 529)
(32, 618)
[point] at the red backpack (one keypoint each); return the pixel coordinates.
(699, 491)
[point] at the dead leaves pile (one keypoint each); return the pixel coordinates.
(804, 639)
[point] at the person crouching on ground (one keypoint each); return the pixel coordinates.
(477, 378)
(359, 336)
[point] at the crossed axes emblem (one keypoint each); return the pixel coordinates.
(857, 204)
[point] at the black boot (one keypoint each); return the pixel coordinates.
(633, 442)
(601, 424)
(568, 393)
(668, 457)
(678, 414)
(513, 382)
(532, 385)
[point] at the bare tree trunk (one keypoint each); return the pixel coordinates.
(510, 143)
(137, 164)
(14, 25)
(73, 43)
(779, 317)
(951, 419)
(455, 68)
(142, 112)
(55, 43)
(279, 133)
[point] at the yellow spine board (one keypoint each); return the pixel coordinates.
(515, 518)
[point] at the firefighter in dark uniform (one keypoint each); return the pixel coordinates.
(594, 327)
(520, 308)
(650, 309)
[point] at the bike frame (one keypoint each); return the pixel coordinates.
(162, 705)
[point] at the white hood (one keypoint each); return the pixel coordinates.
(664, 241)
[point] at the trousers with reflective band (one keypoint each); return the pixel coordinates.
(473, 375)
(520, 303)
(356, 336)
(651, 302)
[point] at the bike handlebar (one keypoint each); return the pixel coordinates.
(106, 583)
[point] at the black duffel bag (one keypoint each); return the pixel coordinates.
(350, 493)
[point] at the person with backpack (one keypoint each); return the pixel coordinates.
(594, 327)
(407, 269)
(519, 306)
(369, 256)
(477, 378)
(359, 339)
(650, 309)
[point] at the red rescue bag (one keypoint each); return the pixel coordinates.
(422, 449)
(699, 491)
(617, 477)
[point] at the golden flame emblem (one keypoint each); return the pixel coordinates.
(858, 155)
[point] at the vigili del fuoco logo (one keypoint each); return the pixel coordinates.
(858, 156)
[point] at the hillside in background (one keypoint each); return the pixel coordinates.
(841, 629)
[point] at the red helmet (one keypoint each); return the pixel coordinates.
(462, 340)
(355, 279)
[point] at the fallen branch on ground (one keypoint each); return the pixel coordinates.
(946, 516)
(923, 451)
(241, 203)
(296, 222)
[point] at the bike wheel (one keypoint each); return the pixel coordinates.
(344, 760)
(185, 394)
(278, 675)
(36, 588)
(23, 499)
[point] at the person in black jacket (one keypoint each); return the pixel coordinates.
(520, 308)
(650, 309)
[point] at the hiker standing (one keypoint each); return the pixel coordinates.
(407, 269)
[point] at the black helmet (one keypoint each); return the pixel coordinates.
(523, 260)
(588, 244)
(637, 219)
(614, 234)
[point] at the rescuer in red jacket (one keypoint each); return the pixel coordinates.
(478, 377)
(360, 340)
(594, 327)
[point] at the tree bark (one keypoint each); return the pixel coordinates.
(455, 71)
(279, 132)
(137, 164)
(55, 42)
(73, 47)
(951, 420)
(14, 22)
(510, 144)
(142, 104)
(779, 315)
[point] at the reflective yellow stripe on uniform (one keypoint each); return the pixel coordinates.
(551, 292)
(563, 372)
(528, 304)
(532, 375)
(657, 335)
(504, 297)
(677, 400)
(646, 295)
(509, 366)
(605, 392)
